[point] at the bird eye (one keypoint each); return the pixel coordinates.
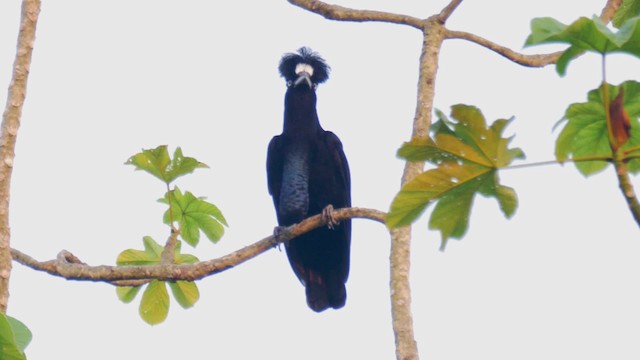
(289, 83)
(315, 86)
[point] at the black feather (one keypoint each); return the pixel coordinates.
(304, 56)
(307, 170)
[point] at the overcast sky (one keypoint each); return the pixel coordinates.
(558, 281)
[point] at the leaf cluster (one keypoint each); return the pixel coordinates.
(158, 163)
(154, 306)
(193, 215)
(584, 137)
(466, 154)
(187, 216)
(586, 34)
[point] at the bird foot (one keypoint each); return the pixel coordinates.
(327, 217)
(277, 232)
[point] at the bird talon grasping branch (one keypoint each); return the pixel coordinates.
(328, 218)
(279, 231)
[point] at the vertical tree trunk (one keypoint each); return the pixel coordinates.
(406, 347)
(10, 124)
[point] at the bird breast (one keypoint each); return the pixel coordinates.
(294, 194)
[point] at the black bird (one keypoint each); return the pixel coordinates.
(308, 174)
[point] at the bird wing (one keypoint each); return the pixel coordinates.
(274, 169)
(341, 166)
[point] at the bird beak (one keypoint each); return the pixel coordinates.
(303, 77)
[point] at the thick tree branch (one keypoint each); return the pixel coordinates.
(340, 13)
(71, 268)
(10, 124)
(406, 346)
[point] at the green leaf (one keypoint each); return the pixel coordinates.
(452, 212)
(154, 305)
(627, 10)
(585, 35)
(14, 338)
(184, 258)
(158, 163)
(152, 254)
(149, 256)
(467, 139)
(467, 154)
(194, 215)
(21, 332)
(126, 294)
(585, 135)
(507, 199)
(185, 292)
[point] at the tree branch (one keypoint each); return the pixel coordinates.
(448, 10)
(71, 268)
(406, 346)
(610, 10)
(536, 60)
(340, 13)
(10, 124)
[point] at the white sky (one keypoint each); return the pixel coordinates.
(559, 281)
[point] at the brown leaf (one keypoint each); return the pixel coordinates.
(620, 123)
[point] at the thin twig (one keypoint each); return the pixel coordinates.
(536, 60)
(448, 10)
(10, 124)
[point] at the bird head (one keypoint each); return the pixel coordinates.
(304, 67)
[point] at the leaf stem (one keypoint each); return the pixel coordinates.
(168, 254)
(554, 162)
(174, 230)
(619, 160)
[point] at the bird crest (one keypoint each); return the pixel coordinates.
(305, 60)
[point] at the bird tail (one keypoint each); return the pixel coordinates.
(325, 292)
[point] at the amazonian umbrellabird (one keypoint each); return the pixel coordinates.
(308, 174)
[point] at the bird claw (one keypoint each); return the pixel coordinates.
(277, 232)
(327, 217)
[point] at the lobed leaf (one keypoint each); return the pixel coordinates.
(194, 215)
(154, 305)
(583, 35)
(467, 154)
(427, 187)
(151, 254)
(158, 163)
(585, 136)
(467, 138)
